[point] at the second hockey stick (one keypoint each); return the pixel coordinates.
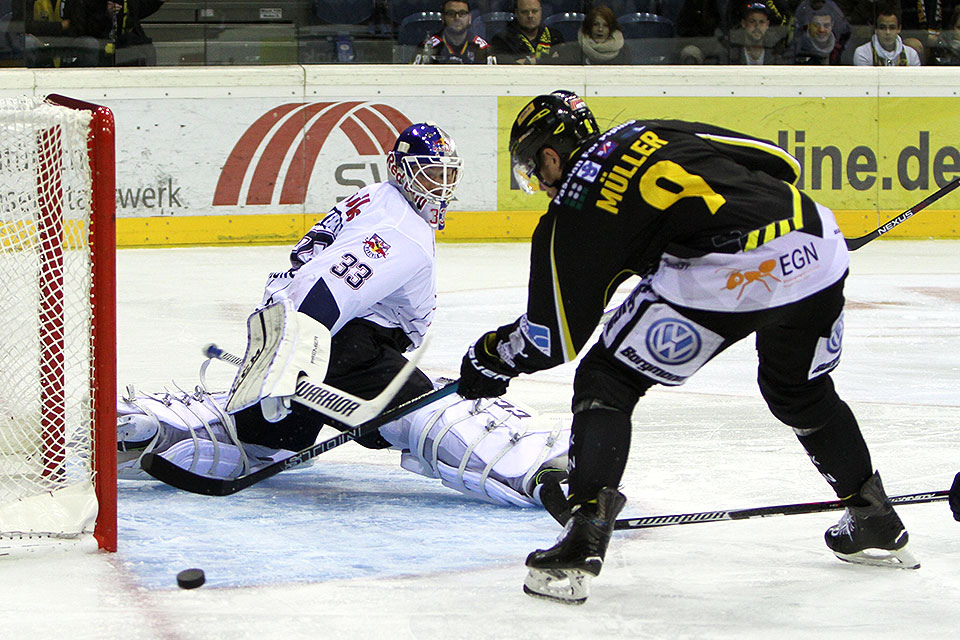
(164, 470)
(648, 522)
(856, 243)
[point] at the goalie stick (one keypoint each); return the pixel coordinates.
(648, 522)
(181, 478)
(855, 243)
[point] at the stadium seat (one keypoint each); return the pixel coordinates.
(645, 25)
(496, 6)
(626, 7)
(415, 28)
(669, 9)
(568, 24)
(490, 24)
(397, 10)
(344, 11)
(563, 6)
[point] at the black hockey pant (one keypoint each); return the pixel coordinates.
(655, 342)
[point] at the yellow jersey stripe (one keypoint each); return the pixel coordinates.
(772, 149)
(566, 342)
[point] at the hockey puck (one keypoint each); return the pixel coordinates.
(191, 578)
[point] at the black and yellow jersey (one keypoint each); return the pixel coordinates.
(644, 194)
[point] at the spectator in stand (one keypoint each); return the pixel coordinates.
(841, 26)
(68, 33)
(886, 48)
(754, 42)
(457, 43)
(817, 44)
(131, 46)
(930, 16)
(526, 40)
(947, 50)
(600, 38)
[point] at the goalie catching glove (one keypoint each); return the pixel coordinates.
(482, 373)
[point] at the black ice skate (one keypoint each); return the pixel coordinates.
(563, 572)
(871, 534)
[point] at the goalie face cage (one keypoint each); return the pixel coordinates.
(58, 352)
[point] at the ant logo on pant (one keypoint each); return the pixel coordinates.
(273, 160)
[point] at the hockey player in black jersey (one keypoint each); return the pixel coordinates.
(726, 246)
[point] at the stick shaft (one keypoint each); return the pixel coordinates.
(856, 243)
(763, 512)
(171, 474)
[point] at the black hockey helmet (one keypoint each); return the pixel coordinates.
(559, 120)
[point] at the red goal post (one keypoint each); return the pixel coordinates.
(58, 358)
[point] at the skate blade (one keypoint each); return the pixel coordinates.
(567, 586)
(897, 559)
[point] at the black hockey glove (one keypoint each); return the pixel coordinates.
(955, 497)
(482, 373)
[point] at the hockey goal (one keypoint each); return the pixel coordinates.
(58, 334)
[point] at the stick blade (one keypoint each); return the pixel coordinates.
(169, 473)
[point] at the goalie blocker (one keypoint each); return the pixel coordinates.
(286, 360)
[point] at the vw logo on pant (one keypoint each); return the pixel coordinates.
(673, 341)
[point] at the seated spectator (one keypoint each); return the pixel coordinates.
(931, 16)
(68, 33)
(754, 42)
(600, 38)
(805, 10)
(131, 45)
(885, 48)
(779, 12)
(817, 44)
(457, 43)
(947, 49)
(526, 40)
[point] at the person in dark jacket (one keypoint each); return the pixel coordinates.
(526, 40)
(131, 45)
(62, 33)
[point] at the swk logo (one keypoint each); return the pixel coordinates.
(274, 158)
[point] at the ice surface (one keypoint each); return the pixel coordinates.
(353, 546)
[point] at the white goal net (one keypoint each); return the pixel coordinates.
(49, 310)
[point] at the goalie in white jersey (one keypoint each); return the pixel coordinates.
(366, 272)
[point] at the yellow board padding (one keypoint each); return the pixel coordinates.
(213, 230)
(462, 226)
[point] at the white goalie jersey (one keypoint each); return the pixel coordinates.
(490, 449)
(372, 257)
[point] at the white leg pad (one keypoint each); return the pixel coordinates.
(488, 449)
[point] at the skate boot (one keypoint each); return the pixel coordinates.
(563, 572)
(870, 531)
(954, 497)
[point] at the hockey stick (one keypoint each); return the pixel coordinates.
(164, 470)
(763, 512)
(856, 243)
(332, 402)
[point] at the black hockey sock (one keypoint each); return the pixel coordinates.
(598, 452)
(839, 452)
